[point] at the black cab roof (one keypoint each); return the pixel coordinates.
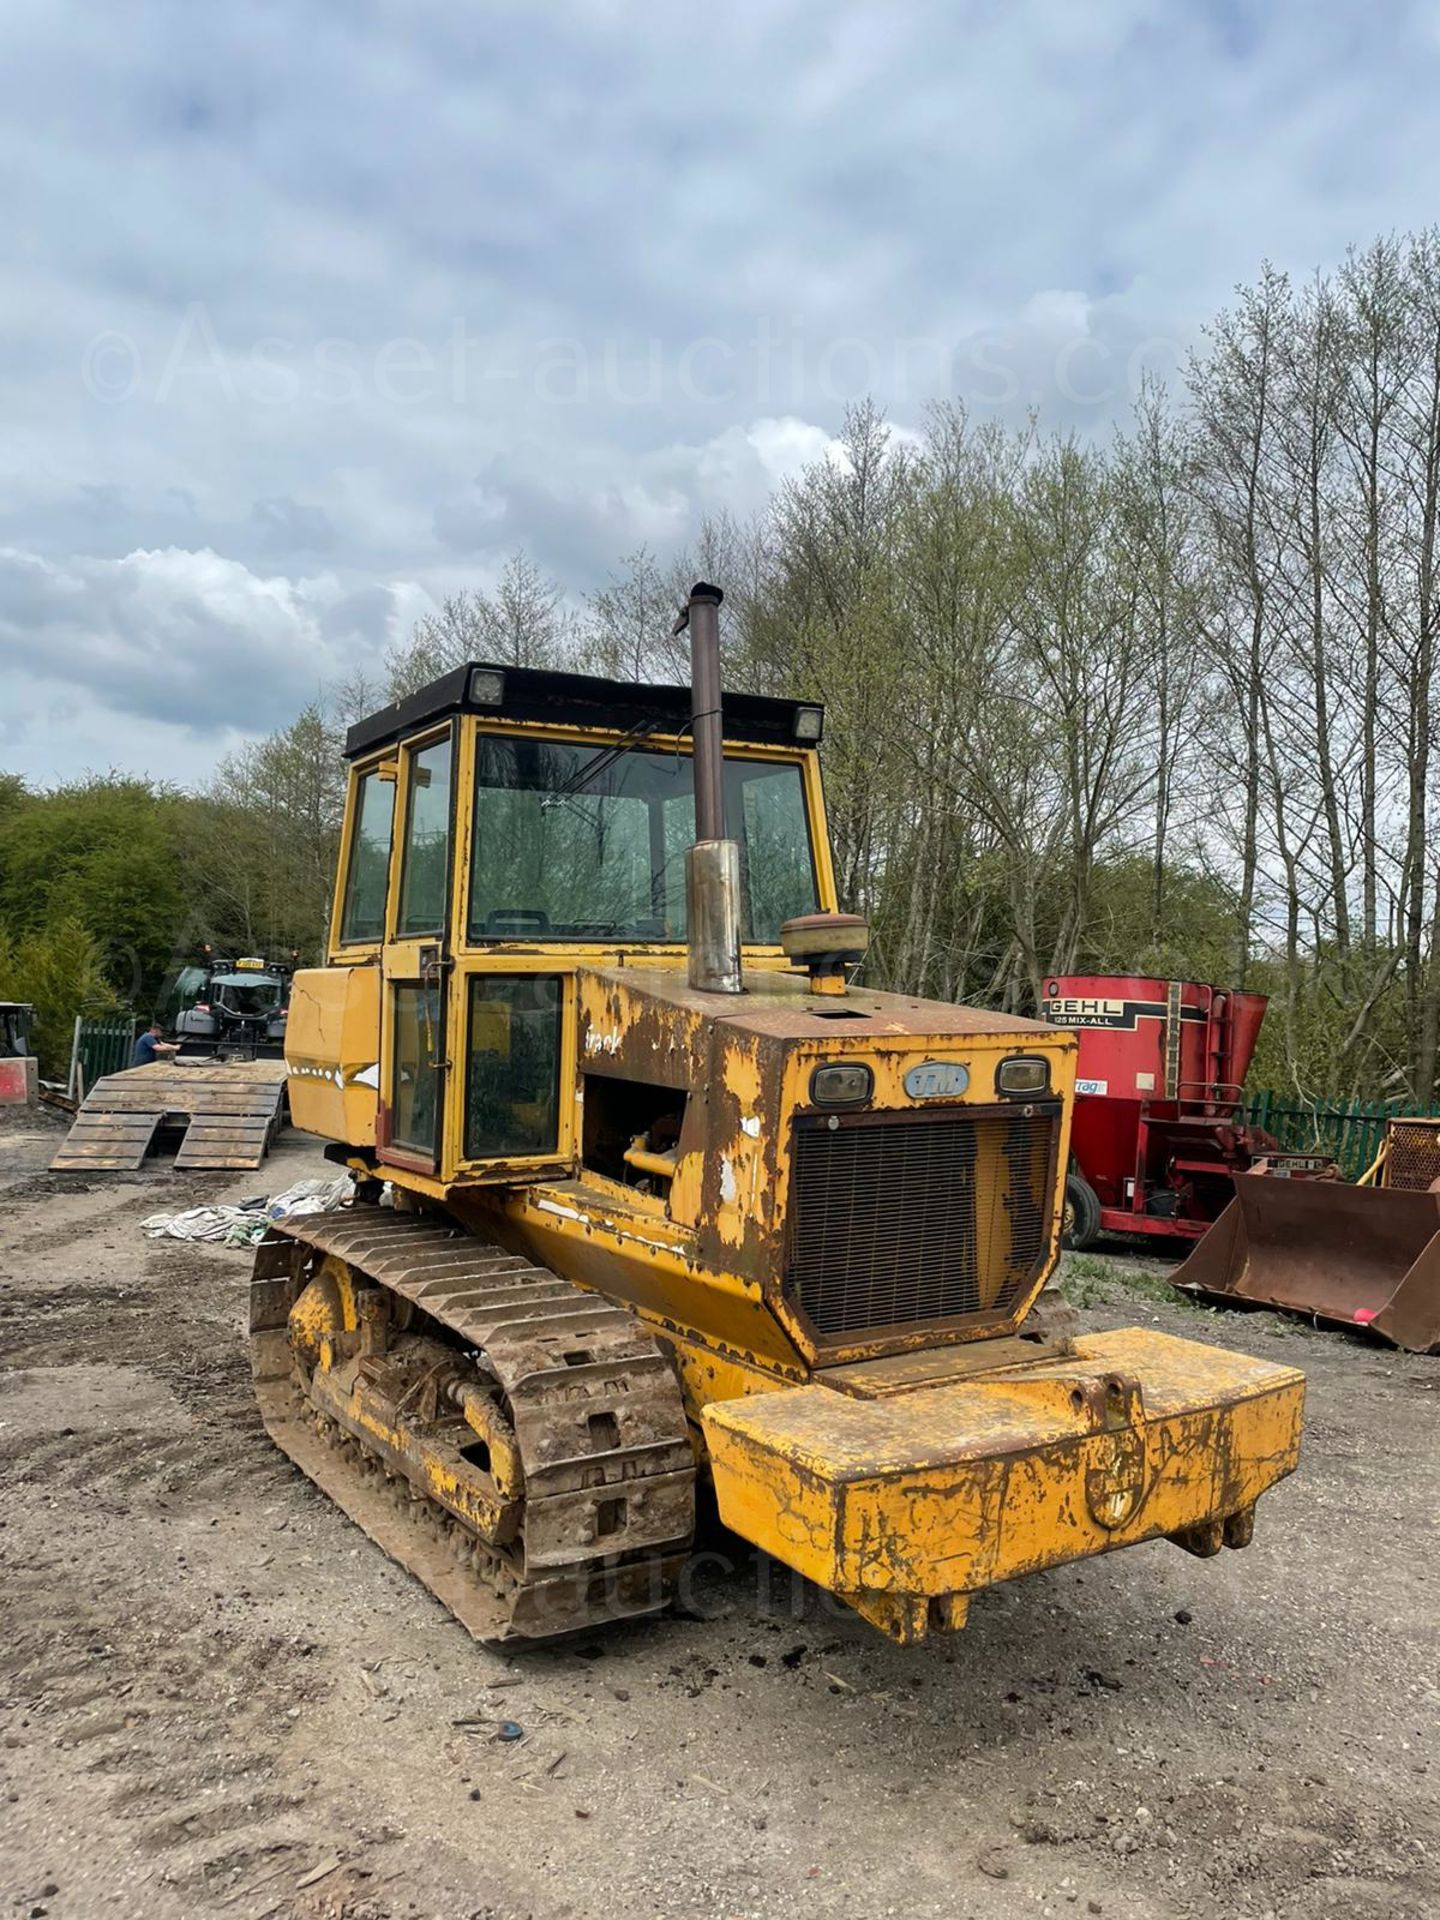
(577, 700)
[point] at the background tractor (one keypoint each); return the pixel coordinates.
(234, 1009)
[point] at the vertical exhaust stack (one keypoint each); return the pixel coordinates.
(712, 864)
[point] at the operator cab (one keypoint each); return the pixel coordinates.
(505, 827)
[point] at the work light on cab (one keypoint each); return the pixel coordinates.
(487, 687)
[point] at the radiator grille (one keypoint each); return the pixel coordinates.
(1414, 1154)
(916, 1218)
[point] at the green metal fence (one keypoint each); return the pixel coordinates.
(100, 1047)
(1350, 1133)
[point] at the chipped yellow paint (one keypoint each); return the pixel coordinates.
(328, 1309)
(344, 1401)
(744, 1196)
(907, 1617)
(951, 1488)
(973, 1460)
(708, 1374)
(484, 1418)
(332, 1052)
(630, 1254)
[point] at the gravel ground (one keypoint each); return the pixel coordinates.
(217, 1698)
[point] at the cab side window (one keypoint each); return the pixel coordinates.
(425, 871)
(363, 916)
(512, 1079)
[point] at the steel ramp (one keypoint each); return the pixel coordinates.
(1362, 1256)
(226, 1140)
(103, 1140)
(229, 1114)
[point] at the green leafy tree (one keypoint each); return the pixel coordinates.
(103, 852)
(60, 972)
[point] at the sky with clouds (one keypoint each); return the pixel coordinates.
(311, 311)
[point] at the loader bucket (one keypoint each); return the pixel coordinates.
(1365, 1256)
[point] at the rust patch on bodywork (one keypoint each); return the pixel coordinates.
(904, 1503)
(744, 1064)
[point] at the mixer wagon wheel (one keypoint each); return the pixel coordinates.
(1080, 1220)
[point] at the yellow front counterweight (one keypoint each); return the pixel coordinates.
(907, 1503)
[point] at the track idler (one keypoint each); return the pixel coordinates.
(516, 1443)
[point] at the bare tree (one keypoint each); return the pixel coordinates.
(525, 622)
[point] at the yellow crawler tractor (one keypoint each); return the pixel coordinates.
(647, 1190)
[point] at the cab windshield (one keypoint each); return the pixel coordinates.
(579, 843)
(247, 994)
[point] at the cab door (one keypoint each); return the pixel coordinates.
(417, 958)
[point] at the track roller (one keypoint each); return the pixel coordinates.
(517, 1443)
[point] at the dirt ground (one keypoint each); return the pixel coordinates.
(218, 1698)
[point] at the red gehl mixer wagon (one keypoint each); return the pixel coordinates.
(1159, 1146)
(1158, 1131)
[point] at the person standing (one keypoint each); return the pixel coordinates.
(150, 1046)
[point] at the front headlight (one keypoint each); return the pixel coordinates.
(1027, 1073)
(849, 1085)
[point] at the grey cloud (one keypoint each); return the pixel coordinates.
(289, 526)
(191, 639)
(243, 213)
(473, 521)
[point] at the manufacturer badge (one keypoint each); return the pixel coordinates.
(937, 1080)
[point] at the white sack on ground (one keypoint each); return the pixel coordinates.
(244, 1226)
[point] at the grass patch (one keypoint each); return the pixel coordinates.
(1107, 1280)
(1093, 1280)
